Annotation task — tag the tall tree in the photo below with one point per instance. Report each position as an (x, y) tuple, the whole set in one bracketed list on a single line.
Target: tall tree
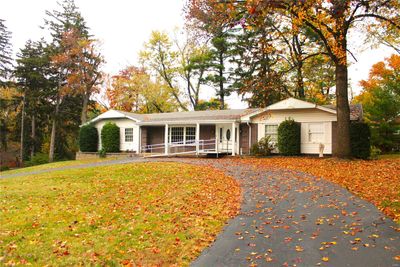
[(193, 63), (5, 52), (66, 26), (219, 75), (380, 98), (330, 20), (33, 76), (158, 56), (133, 90)]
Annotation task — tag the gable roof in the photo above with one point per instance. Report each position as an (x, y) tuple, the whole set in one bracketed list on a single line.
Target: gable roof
[(293, 103)]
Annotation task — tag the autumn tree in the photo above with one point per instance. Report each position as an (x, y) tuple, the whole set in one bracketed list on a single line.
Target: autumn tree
[(380, 98), (330, 20), (75, 62), (159, 57), (193, 61), (133, 90)]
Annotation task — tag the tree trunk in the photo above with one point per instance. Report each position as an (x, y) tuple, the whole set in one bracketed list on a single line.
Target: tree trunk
[(300, 82), (21, 154), (84, 108), (33, 135), (343, 111), (53, 131)]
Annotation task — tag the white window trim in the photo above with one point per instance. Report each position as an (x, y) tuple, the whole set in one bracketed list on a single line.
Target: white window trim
[(184, 134), (269, 133), (125, 135)]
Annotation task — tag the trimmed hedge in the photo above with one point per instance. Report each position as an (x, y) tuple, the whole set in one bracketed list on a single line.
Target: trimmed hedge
[(110, 137), (88, 138), (289, 138), (360, 140)]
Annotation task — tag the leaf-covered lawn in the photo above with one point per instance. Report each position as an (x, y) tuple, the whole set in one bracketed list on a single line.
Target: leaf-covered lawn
[(378, 181), (144, 214), (54, 165)]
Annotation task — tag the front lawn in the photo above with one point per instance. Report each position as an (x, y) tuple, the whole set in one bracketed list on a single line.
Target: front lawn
[(131, 214), (54, 165), (377, 181)]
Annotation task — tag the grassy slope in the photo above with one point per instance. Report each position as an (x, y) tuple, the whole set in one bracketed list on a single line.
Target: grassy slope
[(154, 213), (54, 165)]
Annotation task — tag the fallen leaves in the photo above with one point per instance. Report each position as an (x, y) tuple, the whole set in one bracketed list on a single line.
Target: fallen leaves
[(377, 181), (133, 214), (325, 259)]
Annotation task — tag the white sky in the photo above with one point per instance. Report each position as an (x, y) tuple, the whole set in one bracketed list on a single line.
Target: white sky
[(123, 26)]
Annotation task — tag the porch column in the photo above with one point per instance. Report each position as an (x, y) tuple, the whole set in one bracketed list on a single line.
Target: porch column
[(197, 138), (166, 140), (233, 135), (140, 140)]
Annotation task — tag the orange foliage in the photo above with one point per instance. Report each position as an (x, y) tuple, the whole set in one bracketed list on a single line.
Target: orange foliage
[(377, 181)]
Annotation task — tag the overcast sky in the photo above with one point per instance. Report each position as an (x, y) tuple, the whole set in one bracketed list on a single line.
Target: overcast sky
[(123, 26)]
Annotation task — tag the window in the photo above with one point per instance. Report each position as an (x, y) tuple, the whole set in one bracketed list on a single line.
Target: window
[(272, 131), (316, 132), (128, 134), (182, 135), (176, 135), (190, 136)]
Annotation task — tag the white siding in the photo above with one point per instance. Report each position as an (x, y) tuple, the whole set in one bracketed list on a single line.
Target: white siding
[(122, 124), (305, 117)]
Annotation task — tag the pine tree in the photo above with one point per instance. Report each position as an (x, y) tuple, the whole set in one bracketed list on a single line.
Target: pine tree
[(5, 52)]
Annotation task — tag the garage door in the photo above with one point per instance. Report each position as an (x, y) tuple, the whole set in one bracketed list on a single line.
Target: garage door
[(313, 134)]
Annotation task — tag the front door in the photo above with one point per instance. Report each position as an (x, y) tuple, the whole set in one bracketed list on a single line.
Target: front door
[(225, 136)]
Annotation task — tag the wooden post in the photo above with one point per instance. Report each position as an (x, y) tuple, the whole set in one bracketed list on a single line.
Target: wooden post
[(197, 138)]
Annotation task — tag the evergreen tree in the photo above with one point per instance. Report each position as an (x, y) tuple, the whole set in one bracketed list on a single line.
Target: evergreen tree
[(5, 52)]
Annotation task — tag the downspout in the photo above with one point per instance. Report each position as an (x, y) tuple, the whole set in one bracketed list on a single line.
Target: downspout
[(248, 124)]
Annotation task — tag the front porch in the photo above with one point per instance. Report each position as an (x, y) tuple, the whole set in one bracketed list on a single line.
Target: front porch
[(190, 138)]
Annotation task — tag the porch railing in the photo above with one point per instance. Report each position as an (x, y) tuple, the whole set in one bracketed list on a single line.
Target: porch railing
[(191, 147)]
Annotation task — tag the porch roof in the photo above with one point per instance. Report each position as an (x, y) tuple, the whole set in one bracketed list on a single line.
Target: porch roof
[(192, 116)]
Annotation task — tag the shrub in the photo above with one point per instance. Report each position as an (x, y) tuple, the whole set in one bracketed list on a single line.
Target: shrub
[(110, 137), (4, 168), (263, 147), (375, 152), (360, 140), (289, 138), (37, 159), (102, 153), (88, 138)]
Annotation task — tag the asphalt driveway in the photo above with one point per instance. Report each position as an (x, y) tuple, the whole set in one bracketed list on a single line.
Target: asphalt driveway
[(290, 218)]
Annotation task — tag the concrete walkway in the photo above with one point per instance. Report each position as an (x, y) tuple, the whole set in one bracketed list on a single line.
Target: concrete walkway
[(290, 218)]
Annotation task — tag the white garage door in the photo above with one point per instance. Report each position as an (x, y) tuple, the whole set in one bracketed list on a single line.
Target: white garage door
[(315, 133)]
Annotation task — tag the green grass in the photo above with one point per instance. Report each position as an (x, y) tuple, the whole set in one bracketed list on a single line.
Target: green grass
[(54, 165), (139, 214), (390, 156)]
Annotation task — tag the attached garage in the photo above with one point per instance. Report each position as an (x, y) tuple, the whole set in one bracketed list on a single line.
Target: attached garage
[(317, 123)]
